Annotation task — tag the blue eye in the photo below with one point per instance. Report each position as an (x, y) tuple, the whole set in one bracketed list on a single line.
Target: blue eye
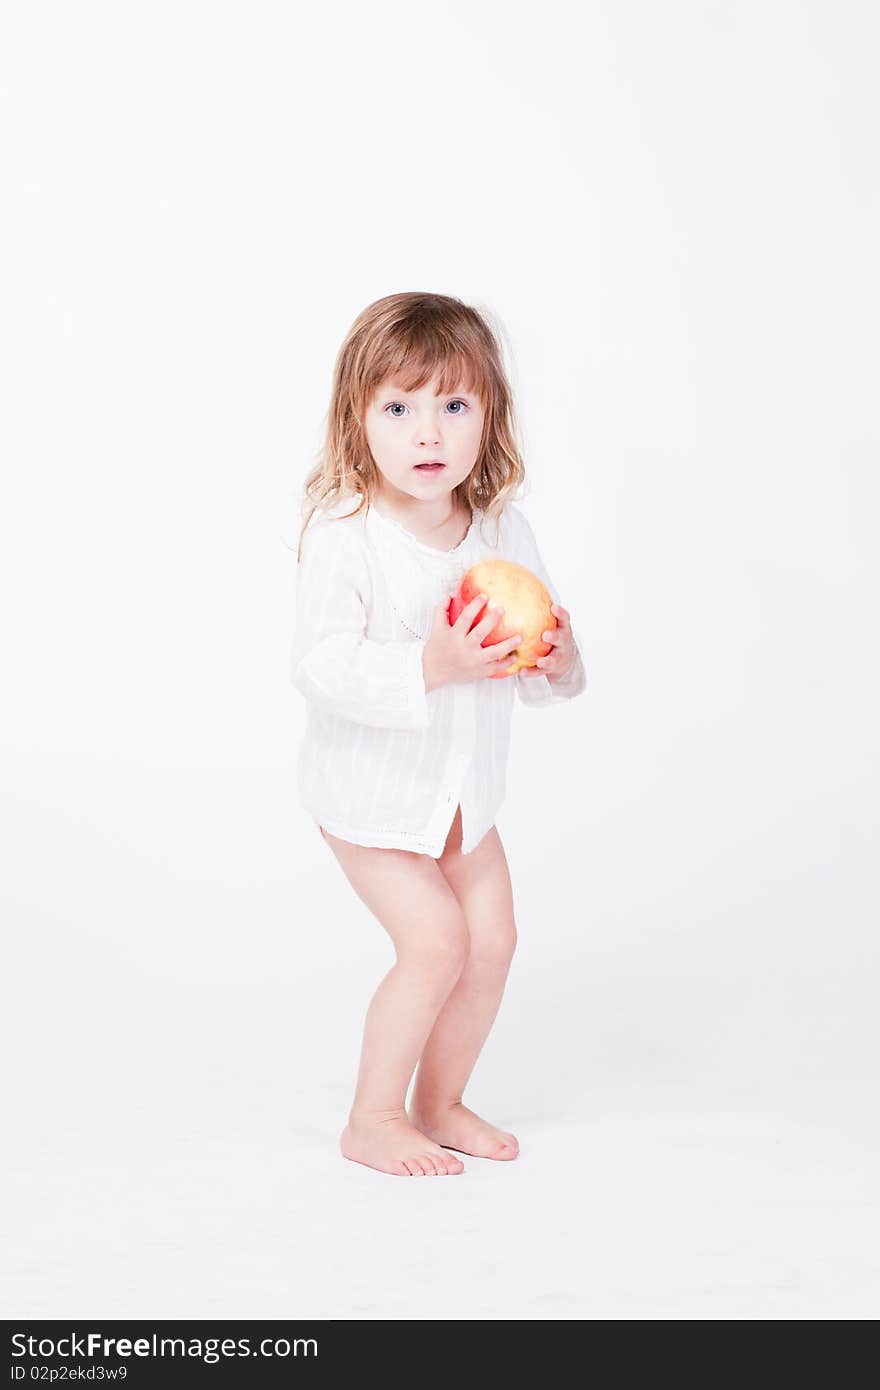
[(394, 404)]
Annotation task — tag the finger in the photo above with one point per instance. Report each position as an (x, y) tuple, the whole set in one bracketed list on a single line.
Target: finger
[(500, 668), (550, 636), (489, 620), (560, 614), (469, 612), (498, 651)]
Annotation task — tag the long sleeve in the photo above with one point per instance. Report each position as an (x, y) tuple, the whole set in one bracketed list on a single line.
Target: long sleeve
[(538, 690), (333, 663)]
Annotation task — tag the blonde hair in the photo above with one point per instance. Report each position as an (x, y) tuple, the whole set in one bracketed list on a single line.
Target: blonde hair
[(414, 337)]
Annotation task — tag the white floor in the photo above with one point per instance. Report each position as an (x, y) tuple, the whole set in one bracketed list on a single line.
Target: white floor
[(636, 1203)]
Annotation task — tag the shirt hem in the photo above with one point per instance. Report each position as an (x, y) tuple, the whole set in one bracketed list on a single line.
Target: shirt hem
[(395, 839)]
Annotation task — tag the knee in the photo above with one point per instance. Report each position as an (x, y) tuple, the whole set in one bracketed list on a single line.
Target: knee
[(440, 952), (494, 948)]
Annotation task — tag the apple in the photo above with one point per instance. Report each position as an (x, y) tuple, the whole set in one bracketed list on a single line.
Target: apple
[(526, 603)]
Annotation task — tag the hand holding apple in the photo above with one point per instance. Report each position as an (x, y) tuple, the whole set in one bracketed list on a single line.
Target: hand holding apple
[(456, 650), (558, 662), (527, 608)]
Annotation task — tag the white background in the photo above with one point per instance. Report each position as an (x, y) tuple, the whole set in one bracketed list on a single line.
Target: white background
[(673, 212)]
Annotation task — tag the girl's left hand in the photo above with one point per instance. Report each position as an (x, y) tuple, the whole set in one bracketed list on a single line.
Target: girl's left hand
[(558, 662)]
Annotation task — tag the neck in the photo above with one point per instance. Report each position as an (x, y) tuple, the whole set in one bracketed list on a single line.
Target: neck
[(430, 516)]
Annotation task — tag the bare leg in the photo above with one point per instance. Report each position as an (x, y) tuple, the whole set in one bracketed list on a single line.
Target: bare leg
[(481, 883), (410, 897)]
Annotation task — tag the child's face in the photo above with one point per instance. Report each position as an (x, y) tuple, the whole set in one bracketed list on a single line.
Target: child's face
[(405, 428)]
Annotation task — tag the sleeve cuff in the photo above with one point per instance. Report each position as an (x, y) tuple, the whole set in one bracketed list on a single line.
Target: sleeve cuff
[(539, 690)]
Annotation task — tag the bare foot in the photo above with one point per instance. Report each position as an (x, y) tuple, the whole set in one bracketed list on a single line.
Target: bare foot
[(393, 1145), (459, 1128)]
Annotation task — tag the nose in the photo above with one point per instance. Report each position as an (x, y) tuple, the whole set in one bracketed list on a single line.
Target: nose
[(427, 431)]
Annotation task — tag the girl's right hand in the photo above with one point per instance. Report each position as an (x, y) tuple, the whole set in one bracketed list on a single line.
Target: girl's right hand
[(452, 653)]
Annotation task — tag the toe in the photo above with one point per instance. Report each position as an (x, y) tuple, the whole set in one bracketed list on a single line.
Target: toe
[(504, 1149)]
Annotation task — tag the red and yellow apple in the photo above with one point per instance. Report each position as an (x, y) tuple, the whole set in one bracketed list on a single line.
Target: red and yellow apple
[(526, 605)]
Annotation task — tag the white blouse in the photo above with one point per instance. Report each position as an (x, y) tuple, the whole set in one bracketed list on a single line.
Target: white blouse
[(383, 761)]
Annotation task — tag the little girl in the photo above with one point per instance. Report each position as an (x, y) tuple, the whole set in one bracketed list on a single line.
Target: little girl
[(403, 761)]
